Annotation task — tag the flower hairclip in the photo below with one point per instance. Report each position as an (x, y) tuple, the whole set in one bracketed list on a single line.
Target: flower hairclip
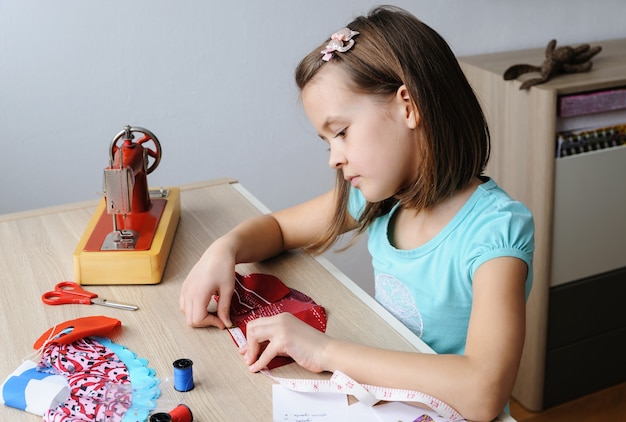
[(337, 43)]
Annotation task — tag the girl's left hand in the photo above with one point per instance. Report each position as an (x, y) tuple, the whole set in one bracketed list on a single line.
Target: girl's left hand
[(285, 335)]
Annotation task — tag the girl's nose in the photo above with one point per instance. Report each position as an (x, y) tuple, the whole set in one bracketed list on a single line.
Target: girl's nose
[(337, 159)]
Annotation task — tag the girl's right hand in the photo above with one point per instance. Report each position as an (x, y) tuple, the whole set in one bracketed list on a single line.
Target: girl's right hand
[(213, 274), (252, 240)]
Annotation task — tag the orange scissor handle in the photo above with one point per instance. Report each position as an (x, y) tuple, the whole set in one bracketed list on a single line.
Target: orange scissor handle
[(67, 292)]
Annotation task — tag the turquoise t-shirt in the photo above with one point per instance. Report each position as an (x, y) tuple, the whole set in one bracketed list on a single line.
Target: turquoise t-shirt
[(429, 288)]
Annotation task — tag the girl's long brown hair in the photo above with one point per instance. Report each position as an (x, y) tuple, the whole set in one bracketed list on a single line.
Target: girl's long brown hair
[(394, 48)]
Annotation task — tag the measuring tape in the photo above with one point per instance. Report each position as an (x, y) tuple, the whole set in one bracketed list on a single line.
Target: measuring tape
[(366, 394)]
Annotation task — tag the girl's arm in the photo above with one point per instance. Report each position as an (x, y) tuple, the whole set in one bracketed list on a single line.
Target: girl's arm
[(477, 384), (253, 240)]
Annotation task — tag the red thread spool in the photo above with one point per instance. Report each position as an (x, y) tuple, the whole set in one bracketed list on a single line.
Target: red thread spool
[(180, 413)]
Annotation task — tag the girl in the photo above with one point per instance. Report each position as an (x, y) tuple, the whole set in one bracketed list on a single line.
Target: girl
[(452, 253)]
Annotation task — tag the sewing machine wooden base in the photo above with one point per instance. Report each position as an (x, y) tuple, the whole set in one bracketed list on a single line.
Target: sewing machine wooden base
[(127, 266)]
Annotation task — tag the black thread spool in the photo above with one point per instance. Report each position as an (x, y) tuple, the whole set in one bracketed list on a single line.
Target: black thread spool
[(183, 375), (161, 417)]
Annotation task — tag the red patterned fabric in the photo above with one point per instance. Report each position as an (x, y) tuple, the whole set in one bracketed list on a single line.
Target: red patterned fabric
[(99, 382), (261, 295)]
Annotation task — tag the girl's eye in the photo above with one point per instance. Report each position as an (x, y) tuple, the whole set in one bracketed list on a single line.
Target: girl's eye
[(341, 134)]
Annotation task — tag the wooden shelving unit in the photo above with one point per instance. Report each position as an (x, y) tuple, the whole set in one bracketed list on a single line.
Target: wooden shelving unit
[(523, 127)]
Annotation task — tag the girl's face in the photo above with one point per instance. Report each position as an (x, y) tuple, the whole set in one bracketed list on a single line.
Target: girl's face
[(374, 143)]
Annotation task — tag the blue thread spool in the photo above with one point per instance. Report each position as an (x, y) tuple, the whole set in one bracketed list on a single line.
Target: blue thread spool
[(183, 375)]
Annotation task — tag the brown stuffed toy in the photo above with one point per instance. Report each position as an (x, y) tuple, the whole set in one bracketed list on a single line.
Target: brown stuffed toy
[(558, 60)]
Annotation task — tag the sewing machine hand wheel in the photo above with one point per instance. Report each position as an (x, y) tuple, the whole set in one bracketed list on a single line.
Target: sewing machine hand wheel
[(127, 134)]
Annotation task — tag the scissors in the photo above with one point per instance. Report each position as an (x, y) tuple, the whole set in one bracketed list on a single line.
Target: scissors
[(70, 292)]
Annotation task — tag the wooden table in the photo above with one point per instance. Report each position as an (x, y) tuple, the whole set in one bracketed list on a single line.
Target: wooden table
[(36, 252)]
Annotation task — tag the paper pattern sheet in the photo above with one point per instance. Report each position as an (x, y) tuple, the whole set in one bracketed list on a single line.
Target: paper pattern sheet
[(293, 406)]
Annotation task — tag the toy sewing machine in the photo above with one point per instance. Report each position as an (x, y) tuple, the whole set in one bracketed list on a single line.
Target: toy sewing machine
[(130, 235)]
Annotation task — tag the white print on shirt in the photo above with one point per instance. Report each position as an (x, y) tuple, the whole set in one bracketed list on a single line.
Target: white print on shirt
[(397, 299)]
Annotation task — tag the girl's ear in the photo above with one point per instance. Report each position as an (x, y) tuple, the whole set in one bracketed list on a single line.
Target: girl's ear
[(409, 110)]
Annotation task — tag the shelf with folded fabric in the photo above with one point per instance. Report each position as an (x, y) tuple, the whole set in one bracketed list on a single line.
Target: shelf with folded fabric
[(578, 203)]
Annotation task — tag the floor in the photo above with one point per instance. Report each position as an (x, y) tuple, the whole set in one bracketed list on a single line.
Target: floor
[(603, 406)]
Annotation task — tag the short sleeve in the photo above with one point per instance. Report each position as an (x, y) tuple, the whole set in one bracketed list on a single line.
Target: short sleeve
[(509, 232)]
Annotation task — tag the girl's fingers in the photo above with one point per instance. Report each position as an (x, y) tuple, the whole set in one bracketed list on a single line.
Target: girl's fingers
[(223, 305)]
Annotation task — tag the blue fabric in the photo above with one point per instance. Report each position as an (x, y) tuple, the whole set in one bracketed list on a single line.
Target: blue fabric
[(429, 288), (14, 391), (143, 381)]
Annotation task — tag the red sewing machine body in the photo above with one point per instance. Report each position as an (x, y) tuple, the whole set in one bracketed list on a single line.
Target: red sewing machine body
[(134, 216), (133, 155)]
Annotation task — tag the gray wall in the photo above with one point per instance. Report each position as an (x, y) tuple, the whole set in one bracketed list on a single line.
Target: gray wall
[(214, 81)]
